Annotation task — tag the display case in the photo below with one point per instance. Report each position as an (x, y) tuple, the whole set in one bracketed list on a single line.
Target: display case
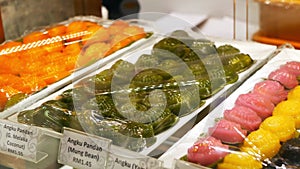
[(141, 93)]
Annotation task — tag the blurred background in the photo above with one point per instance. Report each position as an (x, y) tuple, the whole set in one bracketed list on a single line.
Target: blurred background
[(19, 16)]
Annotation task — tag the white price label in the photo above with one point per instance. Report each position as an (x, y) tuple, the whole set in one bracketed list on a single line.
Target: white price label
[(81, 150), (19, 140)]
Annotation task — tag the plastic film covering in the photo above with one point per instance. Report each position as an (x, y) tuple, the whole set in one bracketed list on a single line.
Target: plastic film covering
[(133, 102)]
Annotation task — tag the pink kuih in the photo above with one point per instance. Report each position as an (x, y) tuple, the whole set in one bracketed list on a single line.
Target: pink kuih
[(284, 77), (292, 67), (262, 106), (206, 151), (246, 117), (228, 132), (272, 90)]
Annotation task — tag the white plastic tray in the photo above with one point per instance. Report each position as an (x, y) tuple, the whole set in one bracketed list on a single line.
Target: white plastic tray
[(258, 52), (31, 99), (180, 148)]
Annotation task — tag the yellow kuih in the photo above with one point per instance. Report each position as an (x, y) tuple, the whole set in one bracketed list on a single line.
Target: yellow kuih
[(289, 107), (262, 144), (240, 161), (282, 126)]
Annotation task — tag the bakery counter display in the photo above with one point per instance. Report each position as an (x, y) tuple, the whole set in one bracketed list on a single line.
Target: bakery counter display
[(142, 98), (46, 59), (255, 127)]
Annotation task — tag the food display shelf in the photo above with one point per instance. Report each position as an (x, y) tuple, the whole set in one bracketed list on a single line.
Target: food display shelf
[(173, 155), (261, 53), (80, 71)]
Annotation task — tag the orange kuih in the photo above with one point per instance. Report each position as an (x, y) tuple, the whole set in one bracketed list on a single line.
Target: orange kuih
[(35, 36), (3, 100), (9, 80), (117, 27), (11, 65), (31, 83), (70, 62), (73, 48), (33, 68), (71, 53), (10, 50), (135, 32), (101, 35), (57, 30), (5, 93), (76, 26), (54, 57), (75, 30), (34, 54), (9, 45), (119, 41), (54, 73), (90, 33), (5, 66), (92, 53), (54, 47)]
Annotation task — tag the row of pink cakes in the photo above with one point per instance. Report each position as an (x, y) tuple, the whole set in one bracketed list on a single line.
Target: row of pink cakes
[(250, 123)]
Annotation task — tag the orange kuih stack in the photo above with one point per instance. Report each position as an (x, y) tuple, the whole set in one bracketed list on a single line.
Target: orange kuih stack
[(44, 57)]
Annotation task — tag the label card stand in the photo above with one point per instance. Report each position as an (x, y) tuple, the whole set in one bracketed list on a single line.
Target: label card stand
[(82, 150), (121, 158), (21, 141)]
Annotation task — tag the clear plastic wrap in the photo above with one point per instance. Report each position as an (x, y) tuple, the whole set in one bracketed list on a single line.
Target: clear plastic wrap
[(255, 127), (137, 100)]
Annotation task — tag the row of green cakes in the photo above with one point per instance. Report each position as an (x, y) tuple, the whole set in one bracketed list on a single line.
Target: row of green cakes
[(131, 103)]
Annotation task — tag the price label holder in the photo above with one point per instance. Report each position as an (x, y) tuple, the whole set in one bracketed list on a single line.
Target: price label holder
[(120, 158), (82, 150), (180, 164), (20, 140)]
